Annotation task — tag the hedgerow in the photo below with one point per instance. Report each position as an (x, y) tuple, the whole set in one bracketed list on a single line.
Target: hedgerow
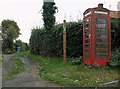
[(50, 42)]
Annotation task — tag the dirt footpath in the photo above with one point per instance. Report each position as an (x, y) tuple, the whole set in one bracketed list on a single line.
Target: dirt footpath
[(28, 78)]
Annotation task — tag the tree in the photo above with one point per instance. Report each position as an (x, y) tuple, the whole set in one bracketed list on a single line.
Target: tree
[(7, 24), (49, 9), (10, 31)]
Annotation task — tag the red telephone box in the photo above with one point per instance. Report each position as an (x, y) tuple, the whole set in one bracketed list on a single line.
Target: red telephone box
[(96, 36)]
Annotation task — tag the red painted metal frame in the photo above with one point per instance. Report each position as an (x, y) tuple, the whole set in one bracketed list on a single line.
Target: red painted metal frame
[(92, 60)]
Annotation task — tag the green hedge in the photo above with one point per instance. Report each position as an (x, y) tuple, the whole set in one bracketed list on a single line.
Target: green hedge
[(115, 30), (50, 43)]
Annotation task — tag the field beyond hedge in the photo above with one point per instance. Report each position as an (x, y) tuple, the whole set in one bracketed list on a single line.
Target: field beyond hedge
[(81, 75)]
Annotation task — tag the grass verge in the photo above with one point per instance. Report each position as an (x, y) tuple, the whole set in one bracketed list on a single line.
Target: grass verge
[(54, 70), (15, 69)]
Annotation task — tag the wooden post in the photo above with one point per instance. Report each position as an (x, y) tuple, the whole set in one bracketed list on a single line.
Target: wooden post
[(64, 41)]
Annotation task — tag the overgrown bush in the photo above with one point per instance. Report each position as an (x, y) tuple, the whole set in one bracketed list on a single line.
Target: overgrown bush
[(115, 60), (50, 42)]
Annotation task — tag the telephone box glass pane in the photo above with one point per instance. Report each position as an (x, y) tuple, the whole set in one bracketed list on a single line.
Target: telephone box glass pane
[(87, 56), (99, 25), (101, 45), (101, 40), (87, 24), (101, 36), (86, 50), (101, 50), (101, 20), (101, 56)]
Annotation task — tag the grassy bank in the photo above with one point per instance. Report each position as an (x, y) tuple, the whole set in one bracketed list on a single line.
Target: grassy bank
[(15, 69), (81, 75)]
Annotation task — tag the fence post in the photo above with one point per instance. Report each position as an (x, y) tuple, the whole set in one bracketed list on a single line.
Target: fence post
[(64, 41)]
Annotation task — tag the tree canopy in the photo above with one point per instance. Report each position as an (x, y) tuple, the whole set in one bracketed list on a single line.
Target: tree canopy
[(7, 25), (49, 9), (10, 32)]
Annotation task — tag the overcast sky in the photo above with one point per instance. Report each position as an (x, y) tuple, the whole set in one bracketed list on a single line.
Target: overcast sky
[(26, 12)]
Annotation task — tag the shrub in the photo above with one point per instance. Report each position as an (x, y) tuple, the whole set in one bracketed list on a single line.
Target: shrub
[(50, 42), (115, 61)]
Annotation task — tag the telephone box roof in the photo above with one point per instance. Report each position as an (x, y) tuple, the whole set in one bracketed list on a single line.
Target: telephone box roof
[(99, 8)]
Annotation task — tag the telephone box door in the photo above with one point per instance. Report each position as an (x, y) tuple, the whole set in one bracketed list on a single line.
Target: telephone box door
[(102, 38)]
